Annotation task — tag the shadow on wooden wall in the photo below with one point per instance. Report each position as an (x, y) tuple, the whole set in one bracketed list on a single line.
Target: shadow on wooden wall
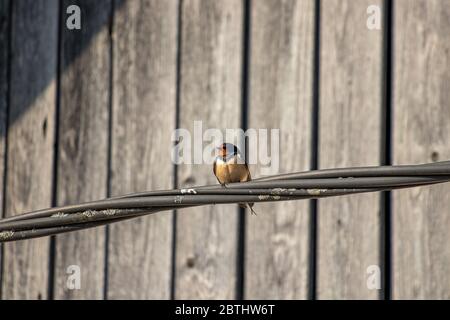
[(85, 114)]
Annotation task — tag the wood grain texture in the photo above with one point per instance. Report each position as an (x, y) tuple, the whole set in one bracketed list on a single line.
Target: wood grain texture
[(4, 85), (30, 140), (349, 135), (281, 77), (83, 143), (210, 91), (421, 220), (4, 62), (144, 95)]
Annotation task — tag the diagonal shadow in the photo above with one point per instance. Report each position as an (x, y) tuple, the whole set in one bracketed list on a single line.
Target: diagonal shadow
[(34, 39), (36, 48)]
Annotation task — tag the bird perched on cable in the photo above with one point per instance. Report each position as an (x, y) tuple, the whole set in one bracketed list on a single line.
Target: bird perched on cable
[(230, 166)]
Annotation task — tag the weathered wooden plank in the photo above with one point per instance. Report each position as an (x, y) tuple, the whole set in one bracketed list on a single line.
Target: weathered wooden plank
[(421, 220), (349, 135), (83, 143), (281, 79), (30, 140), (144, 95), (211, 57), (4, 62)]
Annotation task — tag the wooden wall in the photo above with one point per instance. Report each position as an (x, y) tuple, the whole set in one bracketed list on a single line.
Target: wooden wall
[(86, 114)]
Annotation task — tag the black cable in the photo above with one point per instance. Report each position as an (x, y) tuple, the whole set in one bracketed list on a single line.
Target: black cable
[(294, 186)]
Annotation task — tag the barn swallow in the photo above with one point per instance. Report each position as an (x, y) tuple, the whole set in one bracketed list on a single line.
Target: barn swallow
[(229, 166)]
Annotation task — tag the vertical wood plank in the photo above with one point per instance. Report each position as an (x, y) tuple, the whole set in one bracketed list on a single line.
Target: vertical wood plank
[(4, 62), (349, 135), (5, 21), (281, 79), (211, 55), (421, 113), (30, 140), (83, 142), (144, 95)]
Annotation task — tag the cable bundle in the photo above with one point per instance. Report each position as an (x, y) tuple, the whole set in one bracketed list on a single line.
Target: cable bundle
[(293, 186)]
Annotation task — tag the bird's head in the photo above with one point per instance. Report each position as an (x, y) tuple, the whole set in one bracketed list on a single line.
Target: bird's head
[(226, 149)]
